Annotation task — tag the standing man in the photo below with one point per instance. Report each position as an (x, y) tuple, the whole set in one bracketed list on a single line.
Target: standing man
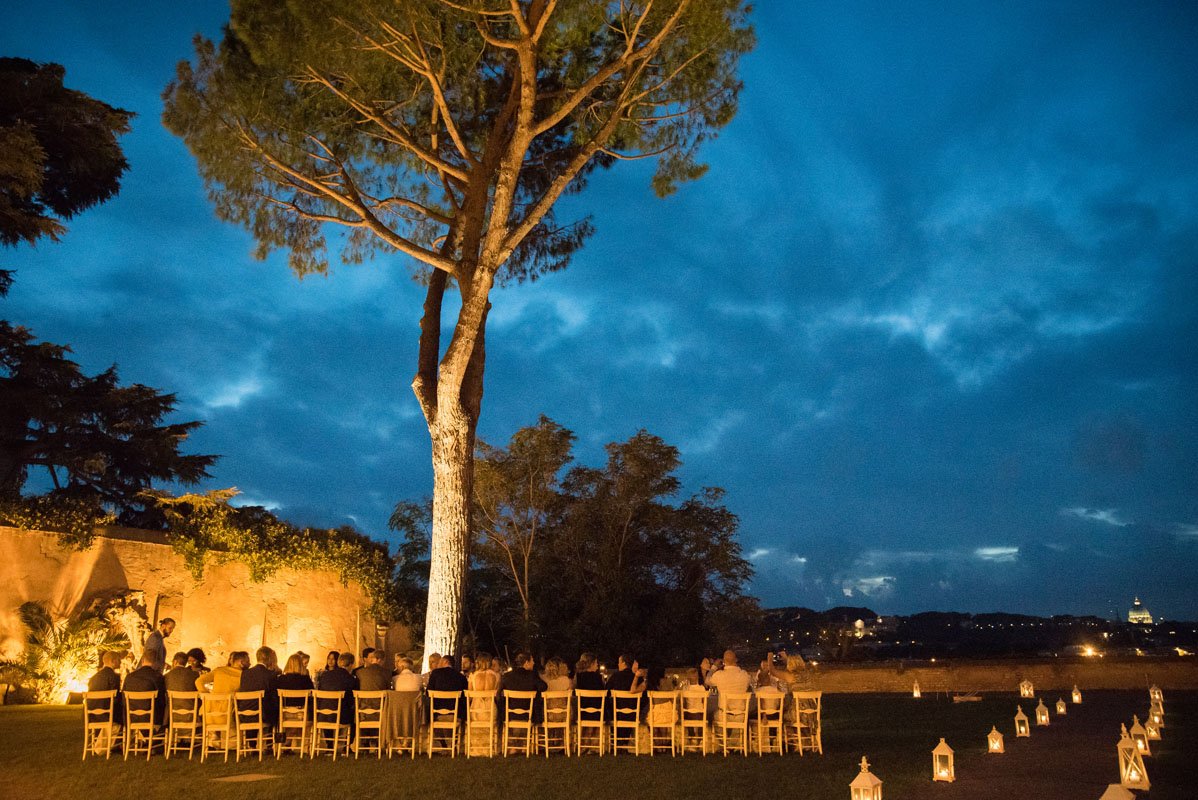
[(155, 643)]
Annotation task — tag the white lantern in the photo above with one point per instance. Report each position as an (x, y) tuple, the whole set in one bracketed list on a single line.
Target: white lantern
[(1026, 689), (1140, 736), (1077, 696), (1060, 706), (942, 763), (1021, 726), (866, 785), (915, 690), (1152, 730), (1156, 713), (1132, 774), (1155, 694), (994, 741), (1042, 714)]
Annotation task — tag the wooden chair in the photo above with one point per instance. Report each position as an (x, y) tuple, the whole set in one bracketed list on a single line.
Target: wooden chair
[(140, 708), (99, 722), (807, 724), (692, 713), (480, 723), (442, 719), (326, 724), (663, 719), (294, 706), (250, 720), (555, 720), (732, 716), (590, 706), (368, 720), (183, 722), (625, 721), (218, 723), (769, 720), (404, 711), (517, 718)]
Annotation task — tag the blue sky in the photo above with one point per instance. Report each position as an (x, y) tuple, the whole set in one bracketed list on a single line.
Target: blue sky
[(929, 319)]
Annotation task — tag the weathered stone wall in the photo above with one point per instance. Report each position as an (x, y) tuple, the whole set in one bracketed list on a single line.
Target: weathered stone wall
[(309, 611), (1058, 675)]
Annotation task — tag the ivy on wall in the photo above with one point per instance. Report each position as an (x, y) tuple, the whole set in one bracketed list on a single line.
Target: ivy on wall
[(204, 526)]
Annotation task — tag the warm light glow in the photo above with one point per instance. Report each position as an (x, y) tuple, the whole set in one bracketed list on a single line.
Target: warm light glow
[(1088, 651)]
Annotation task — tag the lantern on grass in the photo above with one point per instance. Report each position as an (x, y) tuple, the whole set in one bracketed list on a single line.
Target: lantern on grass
[(1060, 706), (994, 741), (1026, 689), (866, 785), (1155, 694), (1140, 736), (1132, 774), (1156, 713), (1077, 695), (1152, 730), (1117, 792), (1042, 714), (915, 690), (942, 763), (1021, 726)]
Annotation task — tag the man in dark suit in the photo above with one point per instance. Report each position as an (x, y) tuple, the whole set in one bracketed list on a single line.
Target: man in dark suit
[(181, 678), (264, 677), (148, 678), (522, 678), (338, 679), (106, 680), (373, 676)]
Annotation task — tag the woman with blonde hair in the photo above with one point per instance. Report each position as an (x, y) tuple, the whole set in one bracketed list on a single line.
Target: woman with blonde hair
[(557, 675), (482, 679), (294, 676)]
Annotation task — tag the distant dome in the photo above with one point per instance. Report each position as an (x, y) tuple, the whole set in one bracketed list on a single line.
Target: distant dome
[(1139, 615)]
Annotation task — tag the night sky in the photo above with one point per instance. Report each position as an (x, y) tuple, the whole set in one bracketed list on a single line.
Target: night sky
[(929, 319)]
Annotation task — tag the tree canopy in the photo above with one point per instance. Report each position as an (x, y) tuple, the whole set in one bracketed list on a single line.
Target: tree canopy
[(59, 152), (446, 130), (95, 438)]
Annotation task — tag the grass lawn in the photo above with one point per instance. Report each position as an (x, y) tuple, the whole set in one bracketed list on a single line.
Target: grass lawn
[(1074, 757)]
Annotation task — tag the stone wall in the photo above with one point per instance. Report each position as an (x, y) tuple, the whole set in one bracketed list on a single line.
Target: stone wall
[(309, 611), (1004, 676)]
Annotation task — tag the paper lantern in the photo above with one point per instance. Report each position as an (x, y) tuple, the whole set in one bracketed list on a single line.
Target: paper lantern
[(1026, 689), (1139, 735), (1021, 726), (942, 763), (1042, 714), (1060, 706), (1077, 695), (994, 741), (1132, 774), (866, 785), (915, 690), (1155, 694)]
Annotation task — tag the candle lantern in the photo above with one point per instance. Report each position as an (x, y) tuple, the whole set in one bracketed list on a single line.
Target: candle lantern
[(1152, 731), (1060, 706), (942, 763), (1139, 735), (1026, 689), (994, 741), (866, 785), (1132, 774), (1021, 726), (1077, 695), (1155, 694), (1042, 714), (915, 690), (1156, 713)]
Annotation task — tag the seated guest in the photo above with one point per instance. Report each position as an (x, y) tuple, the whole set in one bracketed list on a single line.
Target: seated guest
[(482, 679), (294, 677), (263, 677), (522, 678), (467, 666), (395, 668), (373, 676), (628, 678), (731, 678), (226, 679), (365, 655), (181, 678), (330, 662), (586, 673), (557, 677), (406, 680), (147, 678), (434, 662), (304, 660), (196, 661), (446, 678), (106, 679), (339, 679)]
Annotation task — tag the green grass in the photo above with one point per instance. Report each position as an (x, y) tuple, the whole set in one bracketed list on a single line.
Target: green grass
[(40, 747)]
